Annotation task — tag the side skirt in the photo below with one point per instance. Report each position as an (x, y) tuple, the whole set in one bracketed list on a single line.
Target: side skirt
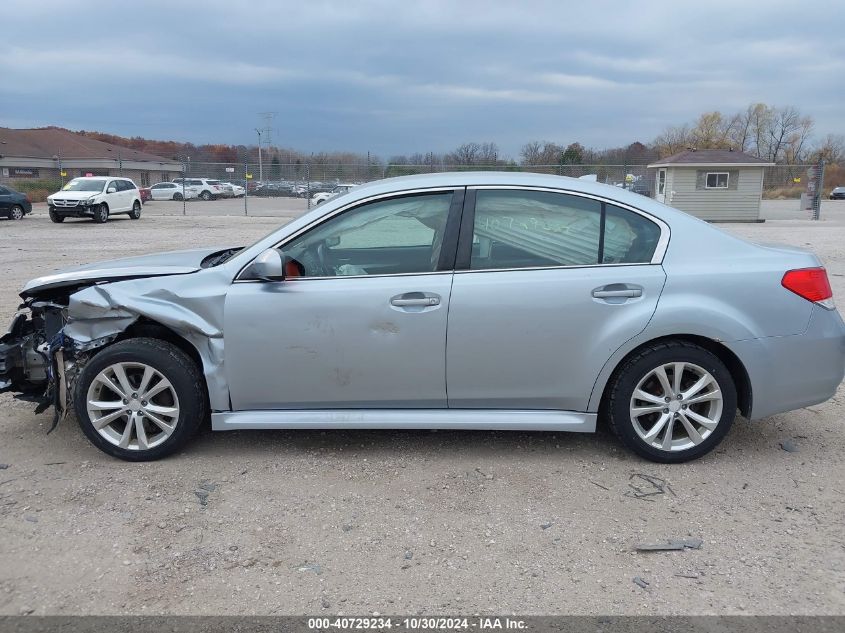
[(459, 419)]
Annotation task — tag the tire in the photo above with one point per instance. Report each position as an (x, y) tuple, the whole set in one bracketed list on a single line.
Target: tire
[(101, 213), (715, 402), (184, 394), (135, 213), (16, 212), (55, 217), (177, 197), (206, 195)]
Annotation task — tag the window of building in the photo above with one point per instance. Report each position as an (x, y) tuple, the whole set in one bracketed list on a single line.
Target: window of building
[(717, 180)]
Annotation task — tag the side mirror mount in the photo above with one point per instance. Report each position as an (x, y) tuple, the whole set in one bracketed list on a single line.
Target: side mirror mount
[(111, 190), (268, 266)]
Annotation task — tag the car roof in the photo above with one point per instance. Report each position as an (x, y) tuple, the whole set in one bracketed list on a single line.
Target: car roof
[(515, 179)]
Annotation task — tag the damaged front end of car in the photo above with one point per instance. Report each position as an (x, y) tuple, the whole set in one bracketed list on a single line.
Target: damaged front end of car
[(38, 362), (68, 317)]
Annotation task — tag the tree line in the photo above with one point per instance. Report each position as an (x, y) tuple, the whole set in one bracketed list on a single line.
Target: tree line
[(781, 135), (777, 134)]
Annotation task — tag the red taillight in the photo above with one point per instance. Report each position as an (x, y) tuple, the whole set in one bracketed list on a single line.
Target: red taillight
[(809, 283)]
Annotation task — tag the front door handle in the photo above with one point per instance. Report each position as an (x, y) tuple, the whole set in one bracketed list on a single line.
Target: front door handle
[(598, 293), (417, 301)]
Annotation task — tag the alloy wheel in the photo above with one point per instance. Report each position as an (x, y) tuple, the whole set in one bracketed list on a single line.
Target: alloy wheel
[(133, 406), (676, 406)]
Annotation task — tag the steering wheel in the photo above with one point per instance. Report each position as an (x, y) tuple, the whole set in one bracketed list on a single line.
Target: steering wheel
[(316, 260), (324, 257)]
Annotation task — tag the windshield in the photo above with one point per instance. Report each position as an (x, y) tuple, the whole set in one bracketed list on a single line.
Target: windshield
[(85, 185)]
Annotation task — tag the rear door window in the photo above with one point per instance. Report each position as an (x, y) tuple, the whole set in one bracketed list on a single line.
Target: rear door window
[(539, 229)]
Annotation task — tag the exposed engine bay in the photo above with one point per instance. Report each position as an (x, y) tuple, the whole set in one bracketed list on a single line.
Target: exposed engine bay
[(37, 361)]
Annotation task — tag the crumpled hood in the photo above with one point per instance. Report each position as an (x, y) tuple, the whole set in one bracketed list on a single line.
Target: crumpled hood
[(157, 264)]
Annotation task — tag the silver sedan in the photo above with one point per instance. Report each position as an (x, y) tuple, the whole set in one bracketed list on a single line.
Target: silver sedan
[(452, 301)]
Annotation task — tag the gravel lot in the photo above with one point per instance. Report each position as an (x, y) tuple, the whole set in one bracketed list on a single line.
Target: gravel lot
[(406, 522)]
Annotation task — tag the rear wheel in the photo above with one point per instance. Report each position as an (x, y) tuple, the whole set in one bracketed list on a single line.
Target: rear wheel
[(672, 402), (140, 399), (101, 213), (55, 217), (177, 196), (16, 212), (135, 213)]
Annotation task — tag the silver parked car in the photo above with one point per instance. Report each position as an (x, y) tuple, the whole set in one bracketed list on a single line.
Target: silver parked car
[(452, 301)]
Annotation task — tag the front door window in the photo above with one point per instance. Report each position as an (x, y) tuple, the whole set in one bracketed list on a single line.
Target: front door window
[(396, 236)]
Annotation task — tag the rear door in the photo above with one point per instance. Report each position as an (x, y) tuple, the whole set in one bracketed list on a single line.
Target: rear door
[(547, 286), (130, 192)]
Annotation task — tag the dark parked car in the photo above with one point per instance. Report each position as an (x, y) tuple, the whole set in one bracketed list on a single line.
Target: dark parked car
[(641, 187), (838, 193), (146, 194), (14, 204), (271, 190)]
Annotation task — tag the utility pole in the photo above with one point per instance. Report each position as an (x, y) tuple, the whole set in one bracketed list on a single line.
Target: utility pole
[(260, 165), (267, 117)]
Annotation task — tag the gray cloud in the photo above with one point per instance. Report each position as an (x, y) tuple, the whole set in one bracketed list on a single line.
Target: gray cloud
[(385, 77)]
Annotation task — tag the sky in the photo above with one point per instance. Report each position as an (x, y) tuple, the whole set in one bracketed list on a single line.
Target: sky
[(402, 77)]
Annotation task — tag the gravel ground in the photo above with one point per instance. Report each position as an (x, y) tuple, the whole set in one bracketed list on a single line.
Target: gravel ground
[(406, 522)]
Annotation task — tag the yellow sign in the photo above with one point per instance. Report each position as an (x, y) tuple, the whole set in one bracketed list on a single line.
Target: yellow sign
[(796, 179), (249, 176), (63, 173)]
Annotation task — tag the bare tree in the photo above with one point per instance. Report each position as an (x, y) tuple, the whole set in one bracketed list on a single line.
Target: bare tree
[(541, 153), (831, 149), (674, 139), (465, 154), (474, 154)]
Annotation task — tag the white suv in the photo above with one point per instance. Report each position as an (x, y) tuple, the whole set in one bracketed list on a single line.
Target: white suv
[(209, 189), (95, 197)]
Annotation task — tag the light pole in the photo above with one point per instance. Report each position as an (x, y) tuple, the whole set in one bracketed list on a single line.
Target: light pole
[(260, 165), (185, 162), (58, 158)]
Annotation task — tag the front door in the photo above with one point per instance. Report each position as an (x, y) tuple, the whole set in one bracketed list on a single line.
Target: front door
[(115, 197), (360, 321), (5, 199), (547, 287), (660, 189)]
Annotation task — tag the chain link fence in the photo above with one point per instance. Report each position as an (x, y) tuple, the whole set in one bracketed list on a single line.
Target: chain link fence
[(312, 182)]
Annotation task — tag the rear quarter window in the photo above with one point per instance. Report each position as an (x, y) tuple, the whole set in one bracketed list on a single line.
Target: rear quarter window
[(629, 238)]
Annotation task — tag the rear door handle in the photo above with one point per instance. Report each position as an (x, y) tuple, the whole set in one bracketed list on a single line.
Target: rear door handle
[(421, 301), (598, 293)]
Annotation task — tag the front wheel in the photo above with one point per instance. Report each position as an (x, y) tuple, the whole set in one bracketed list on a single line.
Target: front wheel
[(16, 212), (135, 213), (206, 195), (55, 217), (672, 402), (101, 213), (140, 399)]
